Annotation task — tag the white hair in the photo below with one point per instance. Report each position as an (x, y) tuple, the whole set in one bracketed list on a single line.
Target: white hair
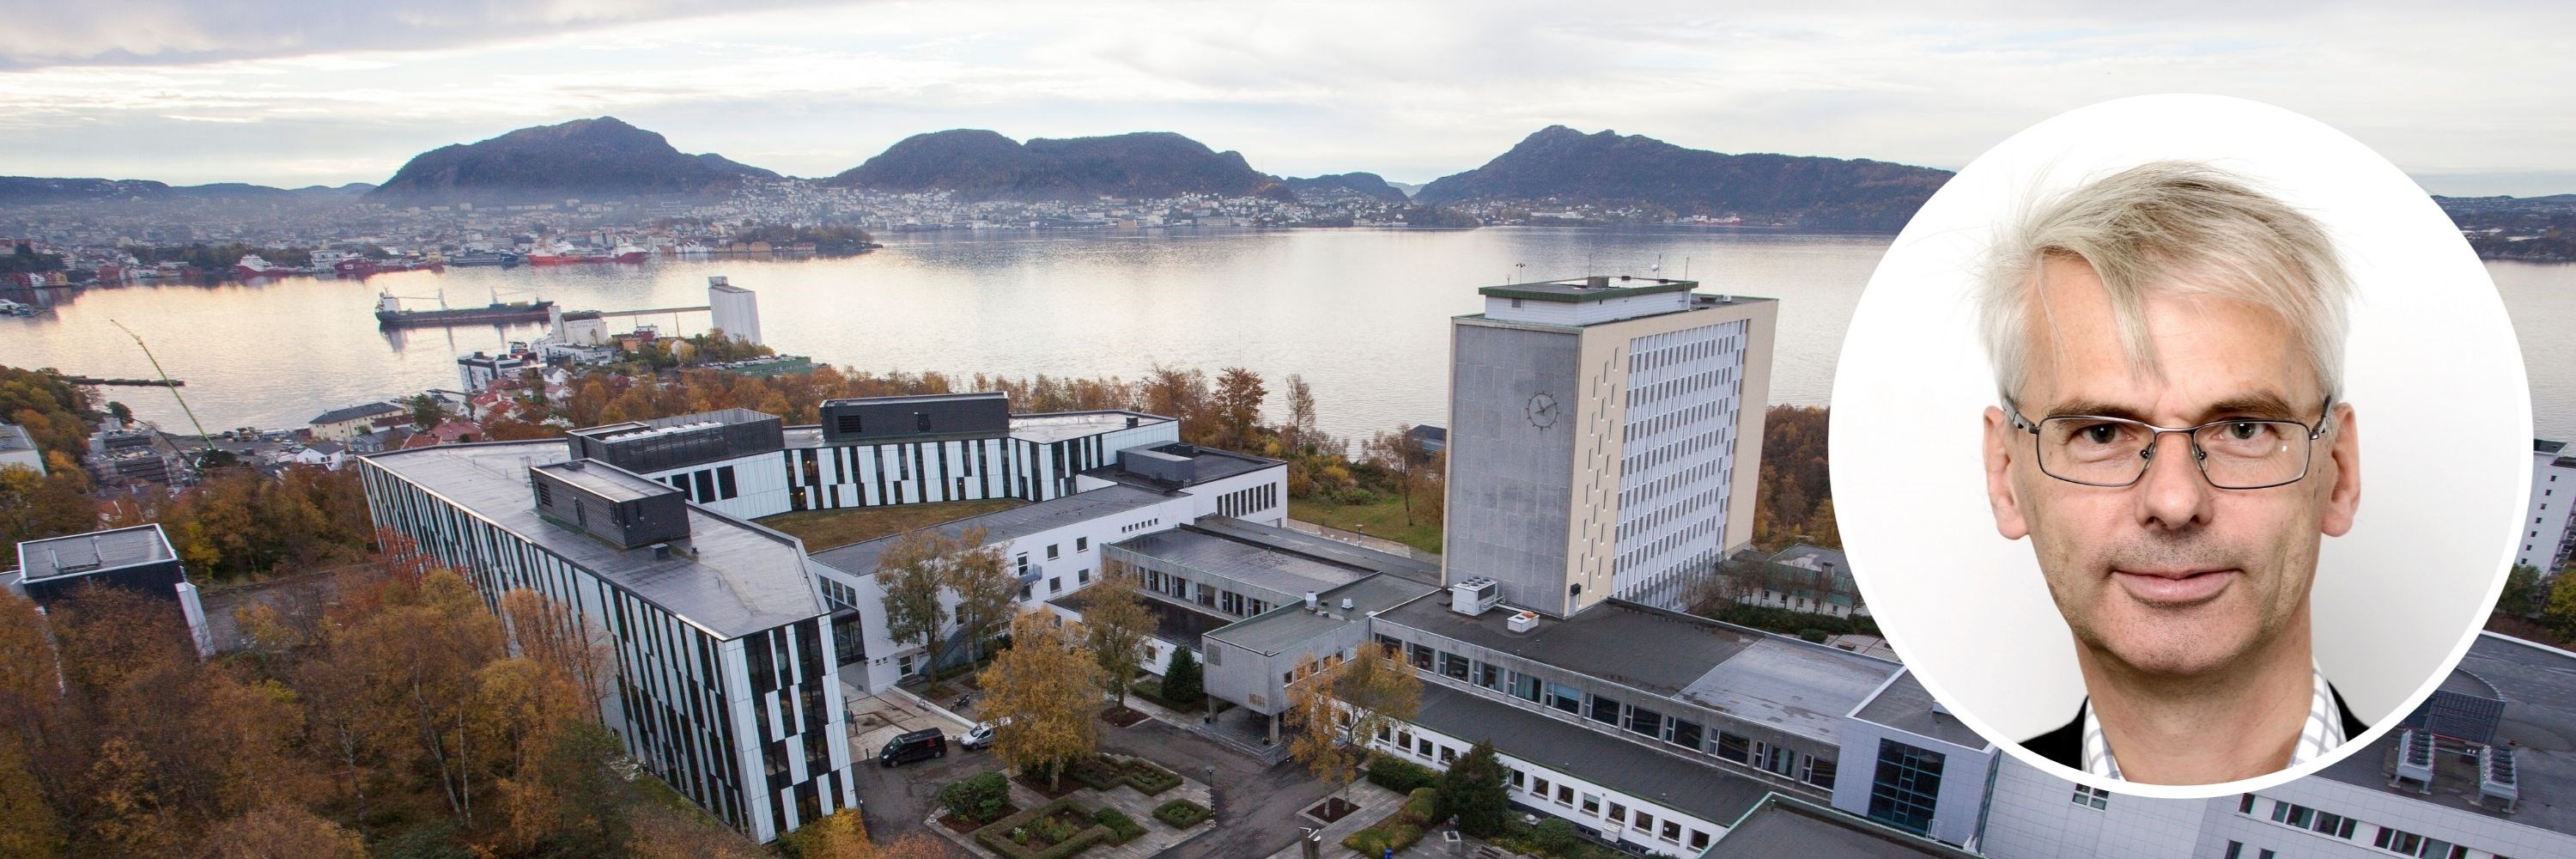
[(2176, 228)]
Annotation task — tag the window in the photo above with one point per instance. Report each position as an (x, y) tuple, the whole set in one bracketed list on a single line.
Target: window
[(1051, 553), (1391, 645), (1024, 592), (1733, 748), (920, 421), (2094, 797), (1453, 665), (1382, 733), (2236, 849), (1645, 822), (1489, 676), (1082, 576), (1605, 710), (1566, 698), (1447, 755), (1820, 772), (2245, 805), (1055, 585), (1538, 786), (1422, 747), (1672, 831), (1591, 804), (1686, 735), (1404, 740), (1420, 655), (1564, 795), (1524, 686), (1618, 813), (1906, 788), (1644, 721), (1081, 544), (2294, 815), (1699, 840), (1519, 778)]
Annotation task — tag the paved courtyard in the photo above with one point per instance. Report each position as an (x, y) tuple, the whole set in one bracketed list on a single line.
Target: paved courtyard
[(1159, 837)]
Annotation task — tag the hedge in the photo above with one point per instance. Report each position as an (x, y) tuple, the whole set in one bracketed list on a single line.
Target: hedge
[(1122, 829), (1096, 772), (1150, 779), (1399, 775), (978, 798), (1420, 807), (1386, 835), (1181, 813), (997, 835)]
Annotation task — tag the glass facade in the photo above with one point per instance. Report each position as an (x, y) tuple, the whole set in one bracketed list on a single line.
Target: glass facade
[(1906, 788)]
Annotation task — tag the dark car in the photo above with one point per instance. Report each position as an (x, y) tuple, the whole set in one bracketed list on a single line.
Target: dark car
[(918, 745)]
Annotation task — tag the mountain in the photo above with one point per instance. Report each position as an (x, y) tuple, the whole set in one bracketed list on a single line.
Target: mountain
[(1611, 169), (1368, 185), (36, 191), (601, 157), (1409, 188), (976, 164)]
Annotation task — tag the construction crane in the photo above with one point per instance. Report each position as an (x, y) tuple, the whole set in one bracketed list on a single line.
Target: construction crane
[(202, 437)]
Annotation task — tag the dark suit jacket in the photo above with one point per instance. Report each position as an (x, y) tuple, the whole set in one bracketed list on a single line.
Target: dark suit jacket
[(2066, 745)]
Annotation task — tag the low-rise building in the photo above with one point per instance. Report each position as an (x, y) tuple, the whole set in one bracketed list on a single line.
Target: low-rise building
[(137, 559), (344, 423), (18, 448)]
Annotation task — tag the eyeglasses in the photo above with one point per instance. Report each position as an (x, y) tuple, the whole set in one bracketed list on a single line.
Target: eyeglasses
[(2234, 453)]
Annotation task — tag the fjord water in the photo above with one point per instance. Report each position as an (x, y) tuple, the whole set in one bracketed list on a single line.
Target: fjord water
[(1363, 314)]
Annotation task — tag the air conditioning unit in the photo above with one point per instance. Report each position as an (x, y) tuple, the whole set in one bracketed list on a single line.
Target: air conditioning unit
[(1475, 596), (1524, 621)]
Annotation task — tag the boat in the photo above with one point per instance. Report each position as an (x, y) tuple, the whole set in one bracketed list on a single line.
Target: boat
[(389, 313), (628, 253), (499, 258), (251, 265), (12, 308)]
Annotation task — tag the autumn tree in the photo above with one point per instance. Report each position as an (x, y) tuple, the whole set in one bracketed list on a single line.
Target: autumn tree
[(1239, 393), (1300, 428), (987, 589), (282, 831), (1042, 694), (36, 506), (1118, 626), (425, 648), (910, 571), (29, 827), (1401, 453), (1337, 704)]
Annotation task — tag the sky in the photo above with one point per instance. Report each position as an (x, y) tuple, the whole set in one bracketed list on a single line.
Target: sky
[(303, 92)]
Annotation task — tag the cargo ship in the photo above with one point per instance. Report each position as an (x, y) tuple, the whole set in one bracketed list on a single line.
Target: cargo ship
[(389, 313)]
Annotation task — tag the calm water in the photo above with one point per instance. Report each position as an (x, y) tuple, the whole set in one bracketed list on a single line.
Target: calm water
[(1363, 314)]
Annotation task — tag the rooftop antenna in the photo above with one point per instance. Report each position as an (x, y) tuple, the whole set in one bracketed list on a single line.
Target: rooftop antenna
[(202, 438), (1685, 268)]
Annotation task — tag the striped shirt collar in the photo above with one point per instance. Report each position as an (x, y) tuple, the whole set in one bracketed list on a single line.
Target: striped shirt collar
[(2323, 732)]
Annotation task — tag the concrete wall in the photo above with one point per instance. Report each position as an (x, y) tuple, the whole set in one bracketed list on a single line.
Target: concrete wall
[(1510, 479)]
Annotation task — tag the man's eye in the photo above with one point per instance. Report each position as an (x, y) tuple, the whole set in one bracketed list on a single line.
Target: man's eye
[(2100, 433), (2244, 430)]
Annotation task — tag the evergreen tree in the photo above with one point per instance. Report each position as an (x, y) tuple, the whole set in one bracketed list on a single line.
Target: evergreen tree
[(1472, 791), (1181, 682)]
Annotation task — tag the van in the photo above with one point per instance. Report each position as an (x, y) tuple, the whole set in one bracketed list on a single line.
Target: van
[(918, 745)]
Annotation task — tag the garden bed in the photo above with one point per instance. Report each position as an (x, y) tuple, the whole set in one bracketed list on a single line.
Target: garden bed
[(1124, 717), (1182, 814), (1332, 809), (1066, 785), (1052, 831)]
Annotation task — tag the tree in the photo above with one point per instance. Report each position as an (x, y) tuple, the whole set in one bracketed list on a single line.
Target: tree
[(988, 590), (1473, 791), (1338, 704), (123, 414), (2561, 614), (1181, 682), (1119, 626), (427, 410), (909, 572), (2520, 585), (282, 831), (1239, 393), (1042, 695), (28, 825), (1300, 428), (1400, 453), (36, 506)]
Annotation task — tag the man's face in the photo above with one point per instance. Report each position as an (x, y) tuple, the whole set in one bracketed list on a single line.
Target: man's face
[(2169, 575)]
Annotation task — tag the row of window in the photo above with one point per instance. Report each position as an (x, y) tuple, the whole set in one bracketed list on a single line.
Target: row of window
[(1184, 590), (1252, 499), (1139, 526), (1618, 716), (705, 484), (2332, 825), (1592, 805)]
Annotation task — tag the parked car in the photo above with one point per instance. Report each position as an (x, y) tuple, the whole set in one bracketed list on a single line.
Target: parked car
[(918, 745), (978, 737)]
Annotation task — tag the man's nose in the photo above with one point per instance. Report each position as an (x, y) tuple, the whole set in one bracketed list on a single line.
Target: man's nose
[(2173, 494)]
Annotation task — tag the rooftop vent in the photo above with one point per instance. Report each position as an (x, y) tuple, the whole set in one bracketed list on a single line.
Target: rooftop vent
[(2496, 779), (1311, 603), (1475, 596), (1346, 603), (1523, 622), (2414, 759)]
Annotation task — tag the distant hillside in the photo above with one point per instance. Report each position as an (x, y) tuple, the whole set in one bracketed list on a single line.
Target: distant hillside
[(601, 157), (1610, 169), (975, 164), (35, 191), (1368, 185)]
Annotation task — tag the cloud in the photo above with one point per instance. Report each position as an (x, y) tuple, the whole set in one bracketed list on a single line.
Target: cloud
[(182, 32), (1409, 90)]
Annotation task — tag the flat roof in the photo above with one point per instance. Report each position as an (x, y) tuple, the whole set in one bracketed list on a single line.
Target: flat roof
[(2542, 445), (1788, 826), (1794, 685), (918, 398), (1043, 429), (1207, 464), (1281, 629), (74, 554), (606, 481), (999, 526), (1174, 621), (720, 417), (1581, 289), (14, 437), (1243, 561), (2539, 714), (739, 579), (1906, 706), (1289, 539), (1702, 790)]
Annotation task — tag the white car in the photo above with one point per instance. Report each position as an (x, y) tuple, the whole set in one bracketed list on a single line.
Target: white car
[(978, 737)]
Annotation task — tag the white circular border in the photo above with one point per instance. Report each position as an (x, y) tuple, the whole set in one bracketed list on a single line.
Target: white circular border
[(1952, 595)]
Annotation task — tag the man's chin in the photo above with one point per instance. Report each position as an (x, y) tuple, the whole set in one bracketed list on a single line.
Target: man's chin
[(2169, 649)]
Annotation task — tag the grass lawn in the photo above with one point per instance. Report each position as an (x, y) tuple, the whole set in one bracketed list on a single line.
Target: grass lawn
[(1382, 519), (824, 529)]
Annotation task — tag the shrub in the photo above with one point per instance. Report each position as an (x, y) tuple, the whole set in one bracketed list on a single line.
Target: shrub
[(1387, 835), (979, 798), (1181, 680), (1399, 775), (1420, 807), (1556, 837), (1151, 779), (1812, 634), (1010, 835), (1122, 829), (1181, 813), (1096, 773)]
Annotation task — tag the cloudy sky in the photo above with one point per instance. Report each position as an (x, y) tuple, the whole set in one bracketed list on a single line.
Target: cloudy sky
[(2471, 98)]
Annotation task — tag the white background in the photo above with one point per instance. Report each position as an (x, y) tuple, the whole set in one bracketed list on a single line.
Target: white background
[(2431, 370)]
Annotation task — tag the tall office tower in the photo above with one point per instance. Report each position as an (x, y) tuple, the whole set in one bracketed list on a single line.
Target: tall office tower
[(1604, 438)]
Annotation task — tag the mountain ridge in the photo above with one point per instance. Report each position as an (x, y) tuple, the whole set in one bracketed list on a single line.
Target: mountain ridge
[(602, 156), (1606, 168), (980, 164)]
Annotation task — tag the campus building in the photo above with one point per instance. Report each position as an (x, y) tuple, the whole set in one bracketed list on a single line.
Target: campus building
[(2549, 540), (139, 559), (1604, 438)]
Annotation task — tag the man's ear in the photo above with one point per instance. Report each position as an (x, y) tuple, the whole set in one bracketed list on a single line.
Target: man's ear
[(2000, 436), (2343, 449)]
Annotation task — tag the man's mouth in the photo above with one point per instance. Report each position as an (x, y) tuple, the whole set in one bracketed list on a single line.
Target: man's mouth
[(2174, 586)]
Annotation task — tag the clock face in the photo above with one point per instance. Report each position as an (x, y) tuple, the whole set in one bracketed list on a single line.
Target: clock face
[(1541, 411)]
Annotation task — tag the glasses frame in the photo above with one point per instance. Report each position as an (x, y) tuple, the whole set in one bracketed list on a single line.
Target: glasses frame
[(2147, 455)]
